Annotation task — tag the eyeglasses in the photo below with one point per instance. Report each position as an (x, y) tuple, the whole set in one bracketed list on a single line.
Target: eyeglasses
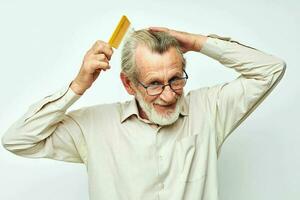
[(176, 84)]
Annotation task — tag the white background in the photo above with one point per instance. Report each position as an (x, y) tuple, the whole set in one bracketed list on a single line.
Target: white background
[(42, 44)]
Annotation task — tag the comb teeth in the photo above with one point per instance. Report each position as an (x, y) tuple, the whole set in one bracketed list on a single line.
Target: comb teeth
[(119, 32)]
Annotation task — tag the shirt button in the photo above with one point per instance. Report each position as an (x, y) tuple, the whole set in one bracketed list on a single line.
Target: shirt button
[(161, 186), (160, 157)]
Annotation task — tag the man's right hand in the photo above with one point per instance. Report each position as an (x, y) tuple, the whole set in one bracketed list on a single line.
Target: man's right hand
[(95, 60)]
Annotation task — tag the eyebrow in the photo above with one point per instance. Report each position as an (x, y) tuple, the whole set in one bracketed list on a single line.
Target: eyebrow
[(179, 74)]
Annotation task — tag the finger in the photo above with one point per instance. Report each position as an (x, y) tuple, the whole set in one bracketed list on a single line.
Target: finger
[(98, 43), (100, 65), (173, 33), (158, 29), (92, 50), (103, 47), (100, 57), (106, 50)]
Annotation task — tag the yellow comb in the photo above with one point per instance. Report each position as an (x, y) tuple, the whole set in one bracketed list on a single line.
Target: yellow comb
[(119, 32)]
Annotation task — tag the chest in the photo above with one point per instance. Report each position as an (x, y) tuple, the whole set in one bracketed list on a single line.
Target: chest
[(147, 155)]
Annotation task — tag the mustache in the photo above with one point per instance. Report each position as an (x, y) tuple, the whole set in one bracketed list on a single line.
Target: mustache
[(163, 103)]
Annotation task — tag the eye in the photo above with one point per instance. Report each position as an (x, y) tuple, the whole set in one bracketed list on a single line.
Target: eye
[(174, 78), (155, 83)]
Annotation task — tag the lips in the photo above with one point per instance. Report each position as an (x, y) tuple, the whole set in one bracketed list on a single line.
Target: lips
[(169, 106)]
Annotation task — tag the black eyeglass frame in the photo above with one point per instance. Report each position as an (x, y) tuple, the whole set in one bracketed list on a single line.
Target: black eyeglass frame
[(163, 86)]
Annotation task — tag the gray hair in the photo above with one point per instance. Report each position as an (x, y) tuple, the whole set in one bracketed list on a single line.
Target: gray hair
[(158, 42)]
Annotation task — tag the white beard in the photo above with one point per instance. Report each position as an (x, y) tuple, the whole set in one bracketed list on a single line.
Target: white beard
[(155, 117)]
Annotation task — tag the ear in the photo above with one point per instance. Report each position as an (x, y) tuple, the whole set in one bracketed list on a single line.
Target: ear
[(127, 84)]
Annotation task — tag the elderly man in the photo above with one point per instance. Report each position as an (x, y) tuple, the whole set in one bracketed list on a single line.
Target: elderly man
[(162, 144)]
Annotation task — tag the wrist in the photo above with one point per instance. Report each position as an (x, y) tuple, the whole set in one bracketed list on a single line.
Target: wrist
[(75, 87), (200, 41)]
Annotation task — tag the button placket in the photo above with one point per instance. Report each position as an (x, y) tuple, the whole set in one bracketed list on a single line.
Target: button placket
[(159, 153), (160, 157), (161, 185)]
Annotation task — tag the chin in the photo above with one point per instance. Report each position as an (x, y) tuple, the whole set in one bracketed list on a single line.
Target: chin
[(163, 118), (165, 121), (160, 115)]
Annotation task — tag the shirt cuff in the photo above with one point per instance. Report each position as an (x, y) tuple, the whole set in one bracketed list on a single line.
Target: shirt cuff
[(215, 46), (60, 100), (67, 99)]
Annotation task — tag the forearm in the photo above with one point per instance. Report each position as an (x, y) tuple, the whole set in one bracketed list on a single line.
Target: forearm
[(249, 62), (39, 122), (77, 89)]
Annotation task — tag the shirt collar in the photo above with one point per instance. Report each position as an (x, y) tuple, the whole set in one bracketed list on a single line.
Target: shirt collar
[(130, 108)]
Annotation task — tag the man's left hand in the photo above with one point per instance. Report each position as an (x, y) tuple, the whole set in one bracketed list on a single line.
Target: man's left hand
[(187, 41)]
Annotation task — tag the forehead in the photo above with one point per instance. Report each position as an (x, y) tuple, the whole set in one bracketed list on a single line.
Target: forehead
[(155, 64)]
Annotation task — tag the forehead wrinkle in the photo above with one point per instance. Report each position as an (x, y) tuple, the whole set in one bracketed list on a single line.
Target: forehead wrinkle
[(155, 65)]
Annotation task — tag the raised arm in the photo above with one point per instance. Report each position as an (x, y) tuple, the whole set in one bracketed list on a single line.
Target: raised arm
[(46, 131), (229, 104)]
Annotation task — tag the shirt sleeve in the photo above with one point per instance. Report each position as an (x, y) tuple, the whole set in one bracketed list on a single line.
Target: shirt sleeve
[(45, 131), (231, 103)]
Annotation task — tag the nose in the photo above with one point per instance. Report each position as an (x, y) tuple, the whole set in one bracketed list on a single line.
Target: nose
[(168, 95)]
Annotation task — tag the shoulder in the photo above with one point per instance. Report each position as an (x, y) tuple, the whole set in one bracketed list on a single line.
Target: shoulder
[(97, 112), (204, 93)]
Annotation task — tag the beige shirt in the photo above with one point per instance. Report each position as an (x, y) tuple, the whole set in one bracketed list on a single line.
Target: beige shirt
[(125, 157)]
